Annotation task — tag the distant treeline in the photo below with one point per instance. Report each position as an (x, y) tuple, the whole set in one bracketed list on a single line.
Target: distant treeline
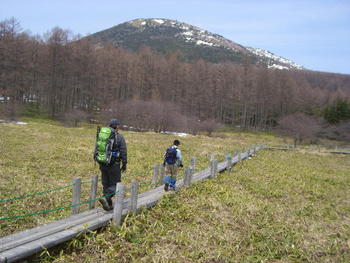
[(62, 73)]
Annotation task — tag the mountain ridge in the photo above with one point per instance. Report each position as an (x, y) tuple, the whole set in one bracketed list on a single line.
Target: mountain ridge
[(167, 36)]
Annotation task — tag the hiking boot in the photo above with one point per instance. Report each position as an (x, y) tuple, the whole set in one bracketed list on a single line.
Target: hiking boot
[(109, 201), (104, 204), (166, 187)]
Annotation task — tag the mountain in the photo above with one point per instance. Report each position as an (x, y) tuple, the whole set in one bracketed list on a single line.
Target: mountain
[(168, 36)]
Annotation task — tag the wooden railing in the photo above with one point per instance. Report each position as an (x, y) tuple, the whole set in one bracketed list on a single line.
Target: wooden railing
[(26, 243)]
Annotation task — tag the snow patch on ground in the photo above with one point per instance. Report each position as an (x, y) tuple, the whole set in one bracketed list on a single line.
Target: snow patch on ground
[(131, 128), (180, 134), (13, 122)]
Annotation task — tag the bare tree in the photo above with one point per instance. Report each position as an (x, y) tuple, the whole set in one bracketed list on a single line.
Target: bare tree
[(210, 126), (299, 126), (75, 116)]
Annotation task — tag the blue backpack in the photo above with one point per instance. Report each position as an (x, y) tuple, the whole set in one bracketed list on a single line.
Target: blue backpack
[(170, 155)]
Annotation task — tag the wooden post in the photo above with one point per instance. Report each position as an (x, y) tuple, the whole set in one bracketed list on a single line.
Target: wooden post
[(190, 176), (161, 173), (186, 177), (118, 205), (155, 174), (76, 195), (193, 163), (212, 157), (94, 181), (213, 169), (134, 196), (229, 162), (234, 153)]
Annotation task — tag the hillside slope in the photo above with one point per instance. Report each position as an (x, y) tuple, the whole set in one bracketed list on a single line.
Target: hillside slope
[(168, 36)]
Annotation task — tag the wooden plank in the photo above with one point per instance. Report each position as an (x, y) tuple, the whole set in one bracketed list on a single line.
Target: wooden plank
[(339, 152), (47, 231), (47, 227), (35, 246), (281, 149)]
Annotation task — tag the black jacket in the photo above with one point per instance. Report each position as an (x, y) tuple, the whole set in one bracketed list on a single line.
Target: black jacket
[(120, 147)]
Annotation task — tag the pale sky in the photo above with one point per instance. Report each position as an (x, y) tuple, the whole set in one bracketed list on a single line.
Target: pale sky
[(312, 33)]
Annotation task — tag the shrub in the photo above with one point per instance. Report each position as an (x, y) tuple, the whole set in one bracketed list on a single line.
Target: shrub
[(300, 126)]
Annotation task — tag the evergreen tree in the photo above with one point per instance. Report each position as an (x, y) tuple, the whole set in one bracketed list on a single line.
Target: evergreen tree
[(338, 111)]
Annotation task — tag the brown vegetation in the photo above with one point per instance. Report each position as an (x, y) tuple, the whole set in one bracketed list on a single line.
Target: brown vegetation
[(299, 126), (62, 73)]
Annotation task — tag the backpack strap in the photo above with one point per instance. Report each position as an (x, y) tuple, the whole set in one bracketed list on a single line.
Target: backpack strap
[(116, 140)]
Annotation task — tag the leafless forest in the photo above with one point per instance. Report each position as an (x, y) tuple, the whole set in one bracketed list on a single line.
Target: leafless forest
[(65, 75)]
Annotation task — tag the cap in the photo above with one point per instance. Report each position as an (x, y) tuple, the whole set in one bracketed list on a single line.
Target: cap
[(114, 123)]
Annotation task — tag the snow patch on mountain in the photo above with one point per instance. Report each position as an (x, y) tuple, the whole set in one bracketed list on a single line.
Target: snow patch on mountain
[(200, 42), (188, 33), (159, 21), (266, 54), (277, 66)]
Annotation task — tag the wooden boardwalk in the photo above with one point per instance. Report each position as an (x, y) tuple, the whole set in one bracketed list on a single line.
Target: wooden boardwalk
[(297, 149), (26, 243)]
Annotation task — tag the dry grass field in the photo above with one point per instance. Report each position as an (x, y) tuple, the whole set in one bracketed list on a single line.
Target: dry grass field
[(276, 207)]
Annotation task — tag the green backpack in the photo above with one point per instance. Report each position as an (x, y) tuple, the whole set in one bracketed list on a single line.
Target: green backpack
[(105, 138)]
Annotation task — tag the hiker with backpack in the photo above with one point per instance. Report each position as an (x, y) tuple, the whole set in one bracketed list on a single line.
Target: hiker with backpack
[(110, 153), (172, 160)]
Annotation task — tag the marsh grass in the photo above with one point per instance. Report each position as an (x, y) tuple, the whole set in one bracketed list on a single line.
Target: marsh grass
[(275, 207), (45, 155)]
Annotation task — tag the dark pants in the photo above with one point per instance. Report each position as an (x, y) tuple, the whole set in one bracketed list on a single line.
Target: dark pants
[(110, 177)]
